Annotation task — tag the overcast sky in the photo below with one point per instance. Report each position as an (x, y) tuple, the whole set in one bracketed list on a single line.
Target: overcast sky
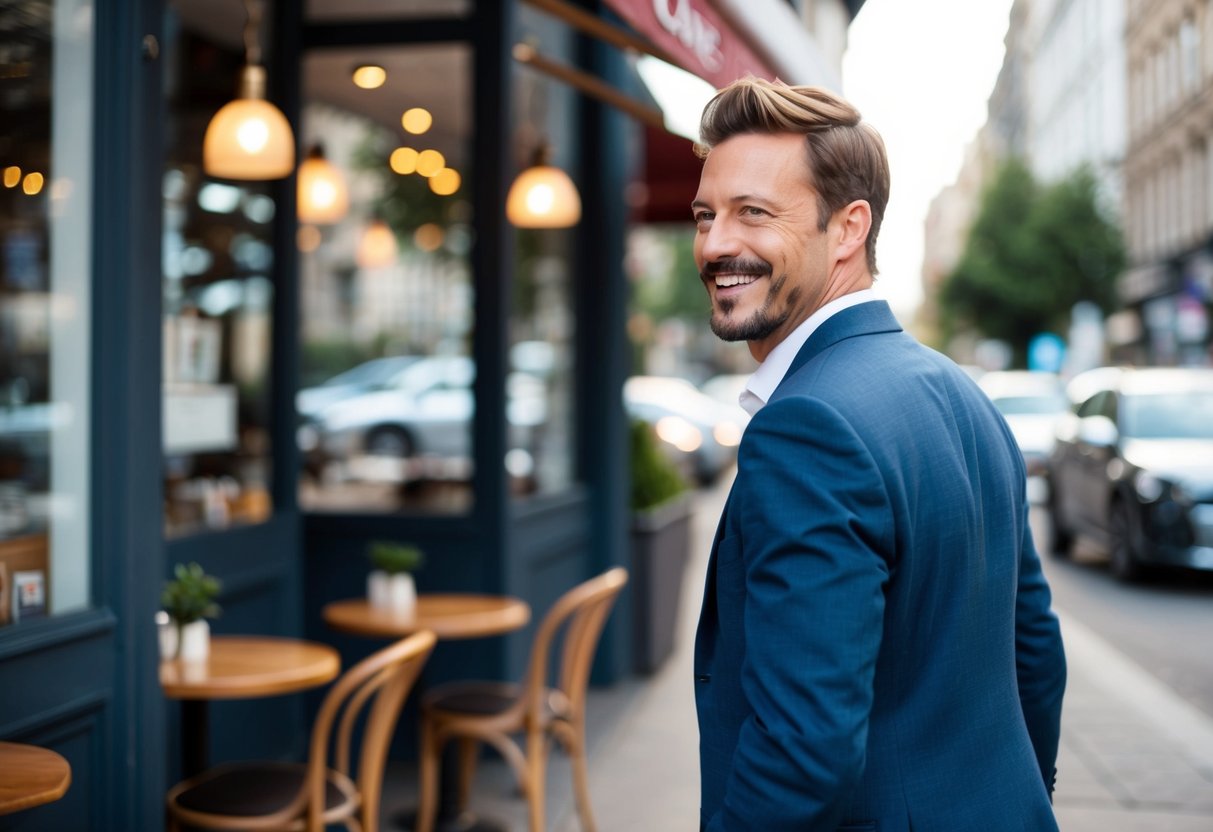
[(921, 72)]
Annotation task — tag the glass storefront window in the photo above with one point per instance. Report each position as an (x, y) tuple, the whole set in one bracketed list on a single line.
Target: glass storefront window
[(386, 402), (46, 125), (217, 295), (540, 379)]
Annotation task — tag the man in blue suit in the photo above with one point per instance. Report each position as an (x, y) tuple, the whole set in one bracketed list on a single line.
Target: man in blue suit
[(876, 649)]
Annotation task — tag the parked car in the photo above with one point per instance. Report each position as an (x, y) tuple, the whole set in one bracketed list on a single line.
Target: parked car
[(1031, 402), (695, 429), (726, 388), (426, 410), (364, 378), (1132, 468)]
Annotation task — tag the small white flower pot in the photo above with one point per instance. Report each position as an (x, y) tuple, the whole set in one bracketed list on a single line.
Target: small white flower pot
[(396, 594), (191, 643)]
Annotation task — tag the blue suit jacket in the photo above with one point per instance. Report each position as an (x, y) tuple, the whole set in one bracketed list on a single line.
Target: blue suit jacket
[(876, 649)]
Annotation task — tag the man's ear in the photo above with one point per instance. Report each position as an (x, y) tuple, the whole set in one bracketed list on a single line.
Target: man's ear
[(853, 222)]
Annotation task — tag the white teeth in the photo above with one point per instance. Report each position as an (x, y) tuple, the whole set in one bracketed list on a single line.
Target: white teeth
[(723, 280)]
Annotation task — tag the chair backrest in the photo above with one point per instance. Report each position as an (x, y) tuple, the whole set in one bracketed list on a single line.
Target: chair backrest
[(581, 613), (387, 676)]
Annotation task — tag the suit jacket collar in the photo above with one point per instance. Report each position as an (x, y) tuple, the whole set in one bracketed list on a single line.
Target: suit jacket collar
[(865, 319)]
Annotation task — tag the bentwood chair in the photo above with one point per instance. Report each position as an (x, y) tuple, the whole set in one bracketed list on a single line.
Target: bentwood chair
[(308, 796), (491, 712)]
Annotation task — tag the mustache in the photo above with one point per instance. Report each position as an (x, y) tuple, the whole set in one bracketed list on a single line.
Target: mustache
[(736, 265)]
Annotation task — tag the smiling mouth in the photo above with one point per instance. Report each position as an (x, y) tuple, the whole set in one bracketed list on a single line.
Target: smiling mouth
[(726, 280)]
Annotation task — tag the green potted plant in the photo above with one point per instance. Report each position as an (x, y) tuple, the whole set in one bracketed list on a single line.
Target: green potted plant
[(188, 600), (390, 586), (661, 529)]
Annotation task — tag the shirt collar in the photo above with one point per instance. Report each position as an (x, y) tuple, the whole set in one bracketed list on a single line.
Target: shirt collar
[(766, 378)]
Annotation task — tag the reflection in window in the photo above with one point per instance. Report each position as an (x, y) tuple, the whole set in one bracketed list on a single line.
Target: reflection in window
[(386, 405), (46, 54), (539, 386), (217, 298)]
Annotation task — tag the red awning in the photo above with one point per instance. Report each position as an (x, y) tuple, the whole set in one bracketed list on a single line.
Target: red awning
[(671, 178), (694, 34)]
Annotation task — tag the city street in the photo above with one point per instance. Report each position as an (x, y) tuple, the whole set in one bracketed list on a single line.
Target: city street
[(1162, 623)]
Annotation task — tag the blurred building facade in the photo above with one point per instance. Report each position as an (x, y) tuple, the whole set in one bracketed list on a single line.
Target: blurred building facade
[(1077, 98), (1169, 183), (1126, 87), (1005, 133)]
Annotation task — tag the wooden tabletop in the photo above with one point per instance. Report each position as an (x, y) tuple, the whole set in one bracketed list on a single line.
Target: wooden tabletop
[(30, 776), (449, 615), (244, 667)]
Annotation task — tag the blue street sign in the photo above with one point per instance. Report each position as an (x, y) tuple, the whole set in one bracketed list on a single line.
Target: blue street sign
[(1046, 352)]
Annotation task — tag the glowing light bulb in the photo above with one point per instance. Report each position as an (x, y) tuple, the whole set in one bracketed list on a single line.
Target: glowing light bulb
[(429, 162), (541, 198), (404, 160), (370, 77), (416, 120), (33, 183), (445, 182), (253, 135)]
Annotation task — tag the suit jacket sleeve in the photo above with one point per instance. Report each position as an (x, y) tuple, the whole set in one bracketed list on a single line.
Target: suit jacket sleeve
[(814, 513), (1039, 659)]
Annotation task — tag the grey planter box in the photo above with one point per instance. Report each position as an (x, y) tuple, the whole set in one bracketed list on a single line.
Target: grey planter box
[(661, 541)]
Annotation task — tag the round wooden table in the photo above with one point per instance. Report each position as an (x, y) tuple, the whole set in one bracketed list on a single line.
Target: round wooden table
[(30, 776), (450, 616), (240, 667)]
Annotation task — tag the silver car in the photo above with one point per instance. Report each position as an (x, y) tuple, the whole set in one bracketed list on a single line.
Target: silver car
[(694, 428), (426, 410)]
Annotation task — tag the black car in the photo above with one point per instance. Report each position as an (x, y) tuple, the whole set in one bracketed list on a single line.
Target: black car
[(1133, 468)]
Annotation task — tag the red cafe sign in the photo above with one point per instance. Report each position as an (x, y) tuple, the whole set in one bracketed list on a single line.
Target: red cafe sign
[(695, 35)]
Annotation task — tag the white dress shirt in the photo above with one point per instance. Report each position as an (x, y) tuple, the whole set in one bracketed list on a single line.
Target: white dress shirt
[(770, 372)]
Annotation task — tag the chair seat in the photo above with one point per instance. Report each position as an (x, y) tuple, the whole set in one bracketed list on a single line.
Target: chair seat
[(490, 699), (254, 789)]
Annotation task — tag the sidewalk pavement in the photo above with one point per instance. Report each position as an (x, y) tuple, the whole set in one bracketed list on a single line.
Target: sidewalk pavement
[(1134, 756)]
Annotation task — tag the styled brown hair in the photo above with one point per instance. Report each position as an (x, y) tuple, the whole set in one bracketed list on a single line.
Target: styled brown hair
[(846, 156)]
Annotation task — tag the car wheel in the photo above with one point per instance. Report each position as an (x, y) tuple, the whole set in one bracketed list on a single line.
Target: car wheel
[(389, 441), (1062, 537), (1124, 546)]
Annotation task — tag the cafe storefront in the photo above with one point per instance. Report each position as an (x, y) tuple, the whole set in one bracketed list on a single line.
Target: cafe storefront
[(267, 375)]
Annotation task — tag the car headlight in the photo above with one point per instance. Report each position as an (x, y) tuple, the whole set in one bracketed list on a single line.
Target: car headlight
[(679, 432), (1149, 487), (727, 434)]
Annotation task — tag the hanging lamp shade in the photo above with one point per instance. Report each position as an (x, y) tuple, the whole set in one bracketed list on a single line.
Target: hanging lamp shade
[(377, 246), (543, 196), (323, 198), (249, 138)]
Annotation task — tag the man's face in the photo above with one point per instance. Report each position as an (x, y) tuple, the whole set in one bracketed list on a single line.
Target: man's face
[(760, 254)]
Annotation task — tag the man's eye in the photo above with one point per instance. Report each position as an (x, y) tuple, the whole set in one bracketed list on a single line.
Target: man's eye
[(703, 216), (751, 211)]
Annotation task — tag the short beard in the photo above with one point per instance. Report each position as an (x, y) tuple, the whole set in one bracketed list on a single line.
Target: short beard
[(759, 326)]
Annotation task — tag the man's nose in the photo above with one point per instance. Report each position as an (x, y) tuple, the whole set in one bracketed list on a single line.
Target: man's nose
[(718, 242)]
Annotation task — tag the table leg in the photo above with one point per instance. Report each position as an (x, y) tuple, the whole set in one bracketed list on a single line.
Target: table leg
[(195, 737)]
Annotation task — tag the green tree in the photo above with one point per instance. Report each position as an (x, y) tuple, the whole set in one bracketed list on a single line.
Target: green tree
[(1031, 254)]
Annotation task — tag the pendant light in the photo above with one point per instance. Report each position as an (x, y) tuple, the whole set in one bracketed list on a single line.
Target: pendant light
[(323, 198), (249, 138), (543, 196), (377, 246)]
